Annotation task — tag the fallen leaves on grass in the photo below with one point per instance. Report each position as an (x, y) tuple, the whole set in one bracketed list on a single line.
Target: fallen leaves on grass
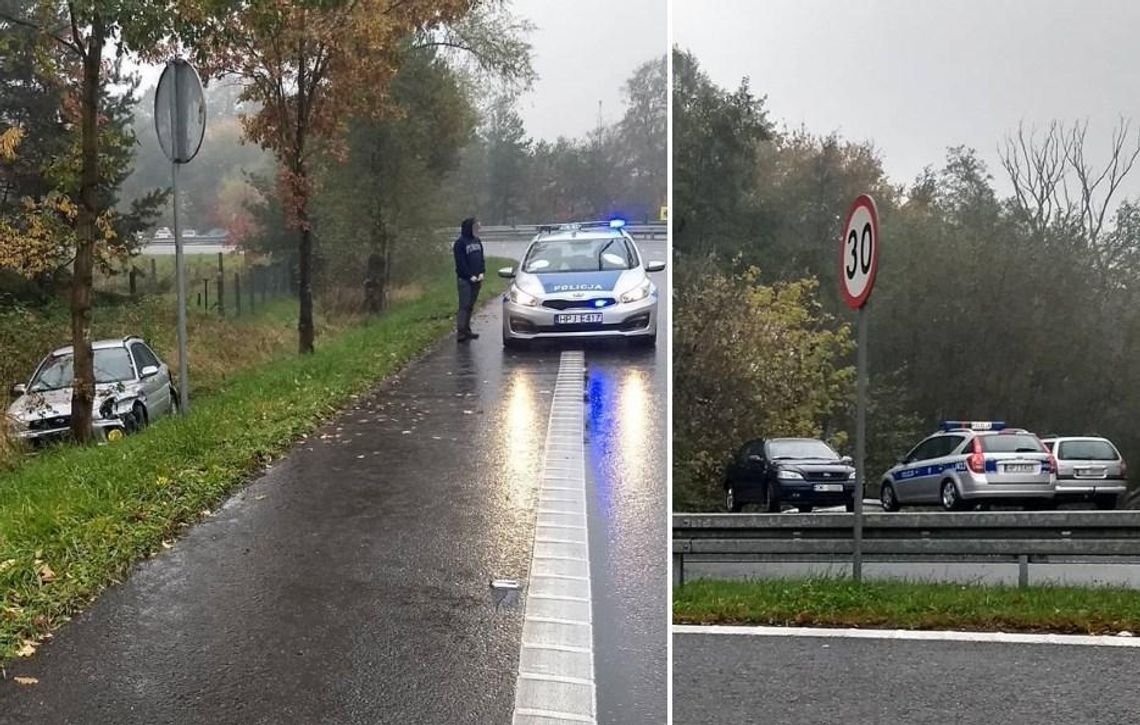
[(47, 576)]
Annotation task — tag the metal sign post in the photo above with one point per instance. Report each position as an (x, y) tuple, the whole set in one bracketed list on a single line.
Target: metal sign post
[(180, 122), (858, 264)]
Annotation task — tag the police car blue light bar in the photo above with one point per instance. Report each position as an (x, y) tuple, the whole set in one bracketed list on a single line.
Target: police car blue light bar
[(617, 223), (972, 425)]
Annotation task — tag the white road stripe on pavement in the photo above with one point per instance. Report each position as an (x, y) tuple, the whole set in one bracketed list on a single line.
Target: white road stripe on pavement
[(556, 657), (913, 634)]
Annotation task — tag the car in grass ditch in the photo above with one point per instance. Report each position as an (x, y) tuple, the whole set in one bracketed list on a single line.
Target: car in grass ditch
[(581, 280), (132, 389), (801, 472)]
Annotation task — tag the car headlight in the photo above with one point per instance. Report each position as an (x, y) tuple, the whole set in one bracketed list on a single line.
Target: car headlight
[(851, 476), (519, 297), (786, 475), (639, 292)]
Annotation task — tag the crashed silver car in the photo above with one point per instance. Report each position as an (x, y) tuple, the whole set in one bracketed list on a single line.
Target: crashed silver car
[(132, 388)]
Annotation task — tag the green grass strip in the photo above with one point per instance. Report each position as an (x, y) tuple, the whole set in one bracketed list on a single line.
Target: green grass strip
[(76, 519), (834, 602)]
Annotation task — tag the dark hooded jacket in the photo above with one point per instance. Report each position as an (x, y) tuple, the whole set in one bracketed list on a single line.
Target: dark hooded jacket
[(468, 251)]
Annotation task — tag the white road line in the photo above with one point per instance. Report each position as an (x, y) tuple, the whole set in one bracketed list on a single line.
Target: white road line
[(556, 658), (562, 576), (557, 597), (557, 647), (539, 715), (914, 635)]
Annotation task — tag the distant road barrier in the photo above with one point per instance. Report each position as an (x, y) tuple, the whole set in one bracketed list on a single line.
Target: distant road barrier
[(516, 233), (982, 537), (525, 232)]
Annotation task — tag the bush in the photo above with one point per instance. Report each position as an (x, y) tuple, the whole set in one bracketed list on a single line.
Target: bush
[(749, 361)]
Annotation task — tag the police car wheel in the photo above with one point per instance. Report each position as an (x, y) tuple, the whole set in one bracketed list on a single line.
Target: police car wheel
[(951, 501), (887, 498)]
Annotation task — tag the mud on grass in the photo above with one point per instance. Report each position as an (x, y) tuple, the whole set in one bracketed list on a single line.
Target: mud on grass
[(74, 520), (832, 602)]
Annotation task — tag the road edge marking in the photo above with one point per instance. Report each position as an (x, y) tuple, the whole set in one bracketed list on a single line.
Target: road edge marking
[(927, 635), (563, 688)]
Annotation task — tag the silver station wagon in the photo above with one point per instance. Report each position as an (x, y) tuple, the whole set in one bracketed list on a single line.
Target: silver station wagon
[(1089, 468), (132, 388)]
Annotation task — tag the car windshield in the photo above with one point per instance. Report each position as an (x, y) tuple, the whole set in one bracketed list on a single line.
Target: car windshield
[(1012, 443), (112, 365), (579, 255), (801, 449), (1087, 451)]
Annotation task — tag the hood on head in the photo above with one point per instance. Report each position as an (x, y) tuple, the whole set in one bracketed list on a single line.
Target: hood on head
[(467, 228)]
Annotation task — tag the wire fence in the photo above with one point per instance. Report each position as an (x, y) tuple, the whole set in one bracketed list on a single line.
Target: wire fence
[(224, 284)]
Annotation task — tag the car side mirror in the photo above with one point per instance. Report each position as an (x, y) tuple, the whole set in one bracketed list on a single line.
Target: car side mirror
[(507, 272), (847, 460), (655, 267), (755, 458), (149, 371), (18, 389)]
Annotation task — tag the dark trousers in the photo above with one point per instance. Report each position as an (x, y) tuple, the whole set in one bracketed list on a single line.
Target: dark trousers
[(468, 293)]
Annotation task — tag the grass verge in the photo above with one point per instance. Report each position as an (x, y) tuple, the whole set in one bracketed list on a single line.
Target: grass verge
[(74, 520), (830, 602)]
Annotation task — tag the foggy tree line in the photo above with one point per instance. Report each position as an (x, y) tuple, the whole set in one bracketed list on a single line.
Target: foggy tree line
[(615, 169), (1020, 307)]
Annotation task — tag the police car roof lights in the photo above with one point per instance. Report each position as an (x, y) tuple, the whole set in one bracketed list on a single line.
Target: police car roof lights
[(948, 425), (576, 226)]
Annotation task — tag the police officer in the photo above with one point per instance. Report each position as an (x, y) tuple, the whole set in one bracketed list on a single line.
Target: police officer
[(469, 270)]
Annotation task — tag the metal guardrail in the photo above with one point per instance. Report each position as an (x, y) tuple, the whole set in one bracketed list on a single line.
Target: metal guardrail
[(519, 232), (987, 537)]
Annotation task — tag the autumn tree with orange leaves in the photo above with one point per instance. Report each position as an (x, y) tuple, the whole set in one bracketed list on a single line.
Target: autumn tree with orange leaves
[(309, 67), (79, 35)]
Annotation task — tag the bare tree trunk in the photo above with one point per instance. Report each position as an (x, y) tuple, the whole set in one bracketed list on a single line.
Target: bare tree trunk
[(83, 390), (305, 280), (387, 283)]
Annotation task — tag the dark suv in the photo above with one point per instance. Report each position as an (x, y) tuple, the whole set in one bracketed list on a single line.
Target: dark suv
[(802, 472)]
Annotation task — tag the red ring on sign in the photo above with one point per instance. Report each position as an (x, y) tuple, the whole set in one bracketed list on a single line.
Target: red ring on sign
[(856, 302)]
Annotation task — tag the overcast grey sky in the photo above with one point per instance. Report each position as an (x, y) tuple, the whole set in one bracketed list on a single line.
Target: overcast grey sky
[(584, 51), (918, 76)]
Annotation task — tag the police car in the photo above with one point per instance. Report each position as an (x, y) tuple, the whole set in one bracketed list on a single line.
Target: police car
[(972, 462), (581, 280)]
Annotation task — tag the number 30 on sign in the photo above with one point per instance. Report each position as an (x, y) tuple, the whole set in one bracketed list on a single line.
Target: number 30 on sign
[(859, 252)]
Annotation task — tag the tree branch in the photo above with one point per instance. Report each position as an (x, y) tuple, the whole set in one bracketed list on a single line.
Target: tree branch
[(42, 31)]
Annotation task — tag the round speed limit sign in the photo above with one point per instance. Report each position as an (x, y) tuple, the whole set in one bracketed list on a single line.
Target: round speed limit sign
[(859, 252)]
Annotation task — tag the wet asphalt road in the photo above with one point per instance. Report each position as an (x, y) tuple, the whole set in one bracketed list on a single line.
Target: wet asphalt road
[(627, 428), (817, 681), (349, 584)]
